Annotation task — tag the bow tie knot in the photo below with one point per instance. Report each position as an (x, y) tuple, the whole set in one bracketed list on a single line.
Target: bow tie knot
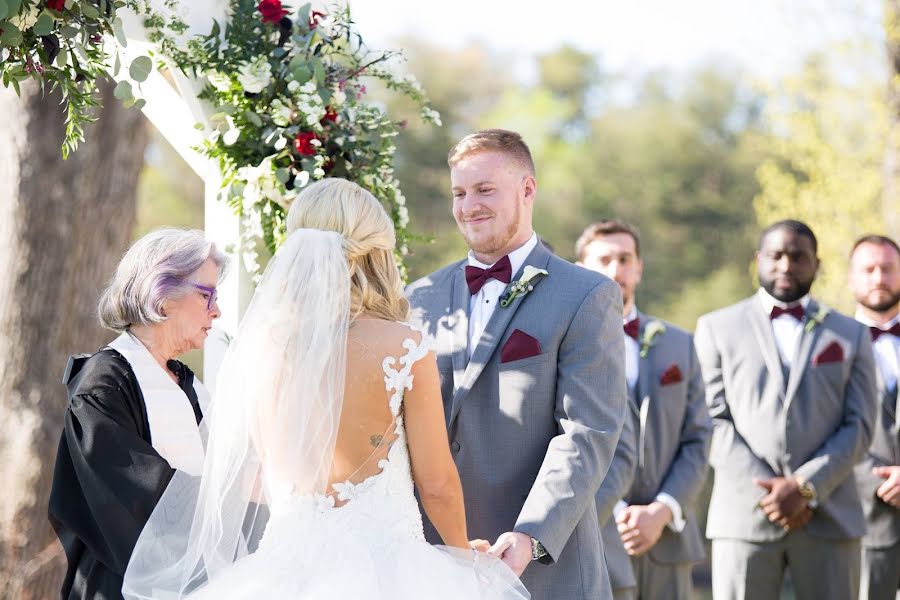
[(795, 311), (476, 277), (877, 332), (632, 328)]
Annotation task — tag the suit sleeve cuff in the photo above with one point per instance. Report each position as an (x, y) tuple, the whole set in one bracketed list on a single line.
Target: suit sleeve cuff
[(620, 507), (678, 521)]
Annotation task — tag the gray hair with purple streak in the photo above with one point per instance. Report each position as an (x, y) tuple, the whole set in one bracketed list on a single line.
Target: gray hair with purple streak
[(158, 267)]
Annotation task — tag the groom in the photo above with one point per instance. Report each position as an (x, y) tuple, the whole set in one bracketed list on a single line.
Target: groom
[(531, 358)]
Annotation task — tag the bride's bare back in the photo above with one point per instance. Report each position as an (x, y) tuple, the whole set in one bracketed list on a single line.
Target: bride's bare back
[(375, 349)]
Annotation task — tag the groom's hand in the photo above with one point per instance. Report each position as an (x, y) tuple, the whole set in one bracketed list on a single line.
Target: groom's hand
[(514, 549)]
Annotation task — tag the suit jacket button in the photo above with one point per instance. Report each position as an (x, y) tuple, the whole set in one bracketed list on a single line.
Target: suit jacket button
[(455, 446)]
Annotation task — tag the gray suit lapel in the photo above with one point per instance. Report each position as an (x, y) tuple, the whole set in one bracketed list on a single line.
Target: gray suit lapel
[(459, 326), (493, 332), (644, 393), (804, 350), (765, 337)]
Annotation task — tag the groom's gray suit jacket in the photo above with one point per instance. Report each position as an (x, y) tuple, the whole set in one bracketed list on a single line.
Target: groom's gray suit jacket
[(534, 437), (814, 421)]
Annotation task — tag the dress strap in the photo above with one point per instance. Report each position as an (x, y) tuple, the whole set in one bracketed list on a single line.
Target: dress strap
[(397, 381)]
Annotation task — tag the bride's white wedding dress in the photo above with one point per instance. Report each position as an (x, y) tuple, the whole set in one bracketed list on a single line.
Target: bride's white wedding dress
[(366, 540)]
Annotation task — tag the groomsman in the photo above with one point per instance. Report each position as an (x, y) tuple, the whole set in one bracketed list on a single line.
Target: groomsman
[(656, 526), (791, 390), (875, 282)]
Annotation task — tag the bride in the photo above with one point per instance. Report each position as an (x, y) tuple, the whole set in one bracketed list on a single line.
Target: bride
[(328, 414)]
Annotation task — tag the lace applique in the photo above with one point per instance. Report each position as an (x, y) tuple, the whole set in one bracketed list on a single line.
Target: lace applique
[(398, 381)]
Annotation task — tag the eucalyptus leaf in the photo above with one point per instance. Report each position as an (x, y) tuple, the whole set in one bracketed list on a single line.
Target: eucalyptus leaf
[(140, 104), (4, 9), (14, 6), (119, 32), (67, 31), (253, 118), (303, 15), (123, 91), (90, 11), (63, 59), (43, 26), (320, 72), (282, 175), (140, 68), (11, 35), (117, 66)]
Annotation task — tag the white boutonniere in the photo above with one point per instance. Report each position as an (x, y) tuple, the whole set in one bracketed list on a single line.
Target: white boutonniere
[(816, 319), (521, 286), (652, 331)]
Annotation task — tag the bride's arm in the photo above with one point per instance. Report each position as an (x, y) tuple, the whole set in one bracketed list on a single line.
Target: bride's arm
[(434, 472)]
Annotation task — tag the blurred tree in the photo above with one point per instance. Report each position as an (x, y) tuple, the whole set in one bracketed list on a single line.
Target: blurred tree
[(828, 139), (892, 149), (63, 227)]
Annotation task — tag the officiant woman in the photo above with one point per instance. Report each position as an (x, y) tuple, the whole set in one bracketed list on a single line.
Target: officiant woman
[(134, 410)]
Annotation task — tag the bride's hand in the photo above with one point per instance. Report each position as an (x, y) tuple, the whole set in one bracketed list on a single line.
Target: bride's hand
[(480, 545)]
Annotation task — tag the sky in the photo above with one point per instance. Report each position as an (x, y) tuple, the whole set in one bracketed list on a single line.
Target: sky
[(766, 37)]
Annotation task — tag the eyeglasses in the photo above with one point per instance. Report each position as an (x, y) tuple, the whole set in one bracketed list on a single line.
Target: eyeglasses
[(213, 294)]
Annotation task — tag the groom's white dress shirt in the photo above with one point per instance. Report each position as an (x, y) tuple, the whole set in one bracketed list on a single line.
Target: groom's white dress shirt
[(482, 304)]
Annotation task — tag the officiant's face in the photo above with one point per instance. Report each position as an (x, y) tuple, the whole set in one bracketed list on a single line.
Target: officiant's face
[(493, 197)]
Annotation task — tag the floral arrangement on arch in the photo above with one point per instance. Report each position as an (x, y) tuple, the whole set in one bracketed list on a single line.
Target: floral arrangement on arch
[(289, 99), (61, 43)]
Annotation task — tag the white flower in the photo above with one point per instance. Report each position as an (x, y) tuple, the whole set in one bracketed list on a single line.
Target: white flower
[(529, 272), (302, 179), (309, 87), (293, 86), (319, 173), (431, 115), (233, 132), (26, 20), (403, 216), (281, 113), (219, 81), (255, 75), (338, 98)]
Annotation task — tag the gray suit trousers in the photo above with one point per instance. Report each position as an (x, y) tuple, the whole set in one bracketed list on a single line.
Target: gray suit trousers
[(880, 573), (820, 569), (662, 580)]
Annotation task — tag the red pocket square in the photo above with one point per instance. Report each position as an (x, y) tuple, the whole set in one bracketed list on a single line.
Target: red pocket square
[(831, 354), (671, 375), (519, 345)]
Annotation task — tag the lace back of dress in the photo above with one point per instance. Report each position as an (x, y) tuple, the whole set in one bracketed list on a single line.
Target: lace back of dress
[(372, 421)]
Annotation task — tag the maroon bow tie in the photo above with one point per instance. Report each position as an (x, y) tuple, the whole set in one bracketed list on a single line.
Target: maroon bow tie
[(476, 277), (877, 332), (795, 311), (632, 328)]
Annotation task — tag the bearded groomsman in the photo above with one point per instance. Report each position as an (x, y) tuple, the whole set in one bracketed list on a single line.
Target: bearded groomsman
[(875, 282), (791, 390), (655, 520), (532, 375)]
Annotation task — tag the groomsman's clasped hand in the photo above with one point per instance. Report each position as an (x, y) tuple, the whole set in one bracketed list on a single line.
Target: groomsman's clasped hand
[(784, 504), (889, 491), (641, 526)]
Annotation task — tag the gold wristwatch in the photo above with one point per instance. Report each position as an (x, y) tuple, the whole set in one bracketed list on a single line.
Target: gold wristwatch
[(808, 491)]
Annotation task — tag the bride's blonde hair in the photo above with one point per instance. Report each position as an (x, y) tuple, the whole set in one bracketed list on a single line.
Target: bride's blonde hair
[(339, 205)]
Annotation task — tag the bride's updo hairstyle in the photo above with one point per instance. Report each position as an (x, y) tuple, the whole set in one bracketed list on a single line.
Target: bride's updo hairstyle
[(339, 205)]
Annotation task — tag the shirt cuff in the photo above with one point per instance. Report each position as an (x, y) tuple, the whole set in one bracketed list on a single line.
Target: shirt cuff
[(678, 522), (620, 506)]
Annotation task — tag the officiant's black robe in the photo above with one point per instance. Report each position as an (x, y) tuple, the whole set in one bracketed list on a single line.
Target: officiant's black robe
[(107, 478)]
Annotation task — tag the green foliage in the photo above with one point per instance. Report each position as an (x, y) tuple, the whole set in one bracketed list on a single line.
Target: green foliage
[(828, 142)]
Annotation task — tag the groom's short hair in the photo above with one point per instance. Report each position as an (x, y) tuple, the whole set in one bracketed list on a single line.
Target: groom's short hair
[(505, 142)]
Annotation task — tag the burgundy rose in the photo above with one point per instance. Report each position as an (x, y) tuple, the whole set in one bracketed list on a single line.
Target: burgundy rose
[(314, 19), (57, 5), (303, 143), (330, 115), (271, 10)]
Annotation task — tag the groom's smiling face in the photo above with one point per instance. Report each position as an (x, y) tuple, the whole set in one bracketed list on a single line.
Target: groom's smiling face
[(493, 197)]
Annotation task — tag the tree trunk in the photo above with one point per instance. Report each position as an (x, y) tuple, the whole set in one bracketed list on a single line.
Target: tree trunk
[(892, 151), (63, 228)]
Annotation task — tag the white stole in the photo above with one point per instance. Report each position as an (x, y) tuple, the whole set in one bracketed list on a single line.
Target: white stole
[(173, 426)]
